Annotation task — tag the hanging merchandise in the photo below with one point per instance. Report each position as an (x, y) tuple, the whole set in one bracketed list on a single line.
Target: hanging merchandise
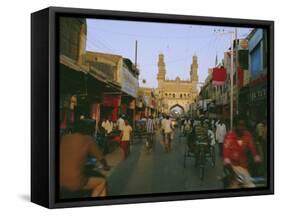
[(111, 100), (219, 76)]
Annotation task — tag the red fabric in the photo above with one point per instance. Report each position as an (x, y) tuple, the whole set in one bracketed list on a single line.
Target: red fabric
[(240, 77), (114, 114), (72, 117), (237, 152), (63, 123), (111, 100), (219, 76), (124, 146), (142, 115), (116, 139)]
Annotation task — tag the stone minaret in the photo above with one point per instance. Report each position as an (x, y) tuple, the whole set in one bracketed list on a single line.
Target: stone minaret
[(194, 69), (161, 70)]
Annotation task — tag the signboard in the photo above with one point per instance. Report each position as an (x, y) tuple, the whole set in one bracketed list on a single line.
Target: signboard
[(243, 44), (129, 83), (256, 38), (258, 93)]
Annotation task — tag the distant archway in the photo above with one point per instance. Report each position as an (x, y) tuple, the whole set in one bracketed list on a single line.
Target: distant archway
[(176, 110)]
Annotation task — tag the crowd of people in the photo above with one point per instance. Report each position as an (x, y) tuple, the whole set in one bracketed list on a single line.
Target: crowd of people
[(242, 148)]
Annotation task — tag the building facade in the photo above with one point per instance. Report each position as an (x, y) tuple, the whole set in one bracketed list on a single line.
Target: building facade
[(176, 93)]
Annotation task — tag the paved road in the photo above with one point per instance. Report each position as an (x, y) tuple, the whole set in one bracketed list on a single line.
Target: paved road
[(160, 172)]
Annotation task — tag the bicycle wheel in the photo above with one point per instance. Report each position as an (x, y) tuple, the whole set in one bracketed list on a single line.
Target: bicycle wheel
[(202, 173), (185, 155), (202, 164), (213, 156)]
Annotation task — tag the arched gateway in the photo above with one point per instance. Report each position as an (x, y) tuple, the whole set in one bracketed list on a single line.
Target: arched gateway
[(176, 92), (176, 110)]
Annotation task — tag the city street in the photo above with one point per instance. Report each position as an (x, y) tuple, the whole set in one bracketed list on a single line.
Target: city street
[(217, 93), (160, 172)]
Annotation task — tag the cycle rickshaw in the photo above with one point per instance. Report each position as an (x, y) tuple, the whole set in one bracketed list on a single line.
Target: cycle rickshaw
[(200, 148)]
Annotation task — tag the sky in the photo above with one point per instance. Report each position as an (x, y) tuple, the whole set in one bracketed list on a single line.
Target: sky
[(178, 43)]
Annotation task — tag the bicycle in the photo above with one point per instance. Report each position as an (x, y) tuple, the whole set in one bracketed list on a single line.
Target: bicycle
[(149, 142), (200, 157)]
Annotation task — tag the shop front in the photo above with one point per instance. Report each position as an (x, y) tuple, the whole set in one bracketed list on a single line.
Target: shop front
[(72, 87), (109, 106)]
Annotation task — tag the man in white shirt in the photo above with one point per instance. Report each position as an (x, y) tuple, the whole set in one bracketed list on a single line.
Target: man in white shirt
[(125, 138), (220, 134), (120, 123), (150, 129), (107, 125), (167, 129)]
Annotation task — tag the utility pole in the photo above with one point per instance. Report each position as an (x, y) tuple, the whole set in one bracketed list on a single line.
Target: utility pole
[(232, 73), (231, 83), (237, 71), (135, 102), (136, 54)]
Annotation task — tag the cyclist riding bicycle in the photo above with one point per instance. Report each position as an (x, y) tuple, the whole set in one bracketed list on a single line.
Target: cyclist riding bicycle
[(236, 144), (201, 141), (201, 132)]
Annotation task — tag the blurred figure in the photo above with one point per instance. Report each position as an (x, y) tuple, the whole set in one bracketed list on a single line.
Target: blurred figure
[(261, 136), (125, 138), (211, 135), (182, 124), (220, 134), (261, 131), (167, 129), (201, 130), (75, 148), (107, 127), (236, 143), (201, 136), (162, 123), (150, 130), (120, 122)]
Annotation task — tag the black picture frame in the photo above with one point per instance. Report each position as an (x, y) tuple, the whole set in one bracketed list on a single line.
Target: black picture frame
[(45, 100)]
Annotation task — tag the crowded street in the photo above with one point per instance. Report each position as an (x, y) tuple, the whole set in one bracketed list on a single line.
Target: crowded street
[(139, 120), (160, 172)]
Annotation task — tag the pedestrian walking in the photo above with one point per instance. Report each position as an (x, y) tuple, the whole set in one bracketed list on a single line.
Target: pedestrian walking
[(167, 129), (150, 129), (261, 144), (125, 138), (120, 122), (107, 127), (220, 134)]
